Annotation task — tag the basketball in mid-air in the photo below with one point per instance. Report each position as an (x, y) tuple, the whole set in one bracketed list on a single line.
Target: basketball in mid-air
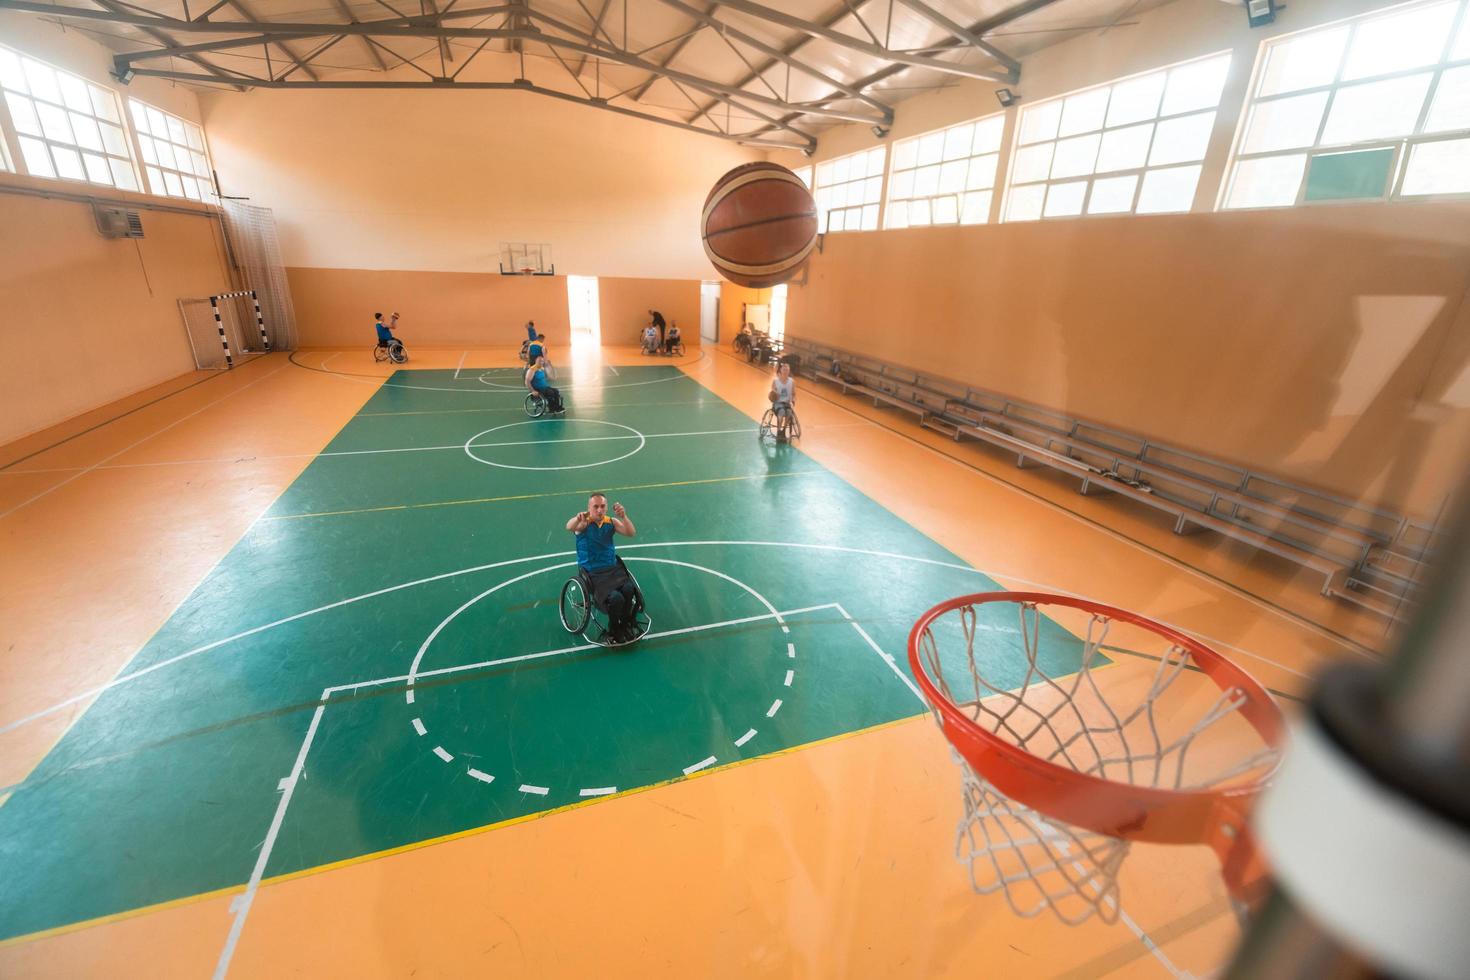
[(759, 225), (771, 395)]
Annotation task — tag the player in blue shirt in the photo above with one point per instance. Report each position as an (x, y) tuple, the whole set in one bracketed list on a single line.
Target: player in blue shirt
[(385, 330), (612, 589), (536, 348), (536, 381)]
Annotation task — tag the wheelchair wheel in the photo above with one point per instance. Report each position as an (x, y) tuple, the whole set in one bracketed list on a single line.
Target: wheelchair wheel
[(380, 353), (535, 405), (576, 605), (768, 424), (396, 353)]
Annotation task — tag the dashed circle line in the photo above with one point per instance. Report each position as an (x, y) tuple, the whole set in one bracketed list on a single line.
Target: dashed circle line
[(596, 791), (469, 447)]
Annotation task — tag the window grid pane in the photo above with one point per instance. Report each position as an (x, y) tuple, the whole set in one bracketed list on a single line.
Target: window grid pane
[(65, 123), (175, 154), (1138, 142), (1380, 88), (945, 177)]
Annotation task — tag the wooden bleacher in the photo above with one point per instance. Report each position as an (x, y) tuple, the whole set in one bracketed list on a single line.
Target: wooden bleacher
[(1365, 555)]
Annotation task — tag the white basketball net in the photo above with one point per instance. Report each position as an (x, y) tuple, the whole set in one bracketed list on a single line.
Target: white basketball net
[(1037, 861)]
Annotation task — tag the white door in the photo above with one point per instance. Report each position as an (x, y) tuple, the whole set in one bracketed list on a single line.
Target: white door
[(709, 312)]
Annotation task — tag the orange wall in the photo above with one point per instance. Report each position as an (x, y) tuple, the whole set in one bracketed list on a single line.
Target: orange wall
[(335, 307), (1309, 342), (87, 319), (624, 306), (434, 181)]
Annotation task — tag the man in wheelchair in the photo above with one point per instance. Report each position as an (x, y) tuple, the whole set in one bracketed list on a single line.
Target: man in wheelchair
[(613, 589), (783, 402), (389, 346)]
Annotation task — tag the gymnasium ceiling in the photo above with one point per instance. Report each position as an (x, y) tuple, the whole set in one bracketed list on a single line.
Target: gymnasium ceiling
[(772, 73)]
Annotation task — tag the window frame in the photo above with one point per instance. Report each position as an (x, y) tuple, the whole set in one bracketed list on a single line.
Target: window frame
[(995, 190), (209, 195), (20, 164), (1139, 173), (1402, 146), (824, 214)]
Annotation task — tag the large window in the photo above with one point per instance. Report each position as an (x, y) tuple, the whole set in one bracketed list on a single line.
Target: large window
[(945, 177), (848, 191), (1374, 107), (174, 156), (67, 127), (1135, 145)]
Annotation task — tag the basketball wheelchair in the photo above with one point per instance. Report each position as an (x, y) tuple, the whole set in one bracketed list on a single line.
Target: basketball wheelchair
[(582, 616), (771, 424), (535, 404), (390, 351)]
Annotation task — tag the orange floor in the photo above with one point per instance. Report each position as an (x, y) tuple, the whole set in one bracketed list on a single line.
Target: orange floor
[(834, 860)]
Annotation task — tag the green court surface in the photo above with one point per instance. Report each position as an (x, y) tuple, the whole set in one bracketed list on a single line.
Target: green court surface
[(379, 661)]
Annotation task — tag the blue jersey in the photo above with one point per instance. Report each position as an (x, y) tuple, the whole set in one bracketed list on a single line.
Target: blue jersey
[(595, 550), (535, 351), (384, 334), (538, 380), (530, 332)]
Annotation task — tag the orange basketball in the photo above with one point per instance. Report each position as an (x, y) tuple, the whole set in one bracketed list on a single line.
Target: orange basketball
[(759, 225)]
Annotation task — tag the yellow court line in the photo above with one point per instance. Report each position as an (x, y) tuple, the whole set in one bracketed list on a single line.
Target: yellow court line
[(442, 839), (536, 496)]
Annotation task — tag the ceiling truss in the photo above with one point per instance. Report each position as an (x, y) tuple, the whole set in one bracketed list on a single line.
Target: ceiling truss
[(753, 110)]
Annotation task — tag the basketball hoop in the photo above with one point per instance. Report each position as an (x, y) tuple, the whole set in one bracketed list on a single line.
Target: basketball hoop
[(528, 271), (1065, 769)]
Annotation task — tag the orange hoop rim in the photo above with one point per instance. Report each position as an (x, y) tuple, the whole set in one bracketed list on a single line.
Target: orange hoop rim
[(1137, 813)]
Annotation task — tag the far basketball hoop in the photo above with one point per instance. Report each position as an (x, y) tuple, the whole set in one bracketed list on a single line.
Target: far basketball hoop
[(1065, 764), (526, 259)]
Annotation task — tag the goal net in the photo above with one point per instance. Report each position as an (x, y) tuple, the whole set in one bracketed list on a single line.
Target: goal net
[(232, 337)]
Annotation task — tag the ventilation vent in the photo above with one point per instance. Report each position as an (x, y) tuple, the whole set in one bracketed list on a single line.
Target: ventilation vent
[(118, 222)]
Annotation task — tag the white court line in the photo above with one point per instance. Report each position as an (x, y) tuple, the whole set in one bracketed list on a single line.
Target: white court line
[(240, 907), (522, 658), (775, 707), (790, 676), (196, 651), (383, 382), (329, 360), (132, 446), (892, 664), (462, 355), (614, 371), (418, 724), (405, 449), (746, 737), (483, 777), (703, 764)]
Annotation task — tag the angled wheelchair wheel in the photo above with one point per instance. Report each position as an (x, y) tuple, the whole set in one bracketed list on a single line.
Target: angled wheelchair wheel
[(380, 353), (576, 605), (768, 424), (535, 405), (396, 353)]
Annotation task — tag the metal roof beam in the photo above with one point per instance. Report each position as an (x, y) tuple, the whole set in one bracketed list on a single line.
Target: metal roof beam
[(964, 36), (778, 56), (868, 48), (752, 138)]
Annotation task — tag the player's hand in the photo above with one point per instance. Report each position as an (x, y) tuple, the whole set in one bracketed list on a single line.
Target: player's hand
[(584, 517), (618, 509)]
